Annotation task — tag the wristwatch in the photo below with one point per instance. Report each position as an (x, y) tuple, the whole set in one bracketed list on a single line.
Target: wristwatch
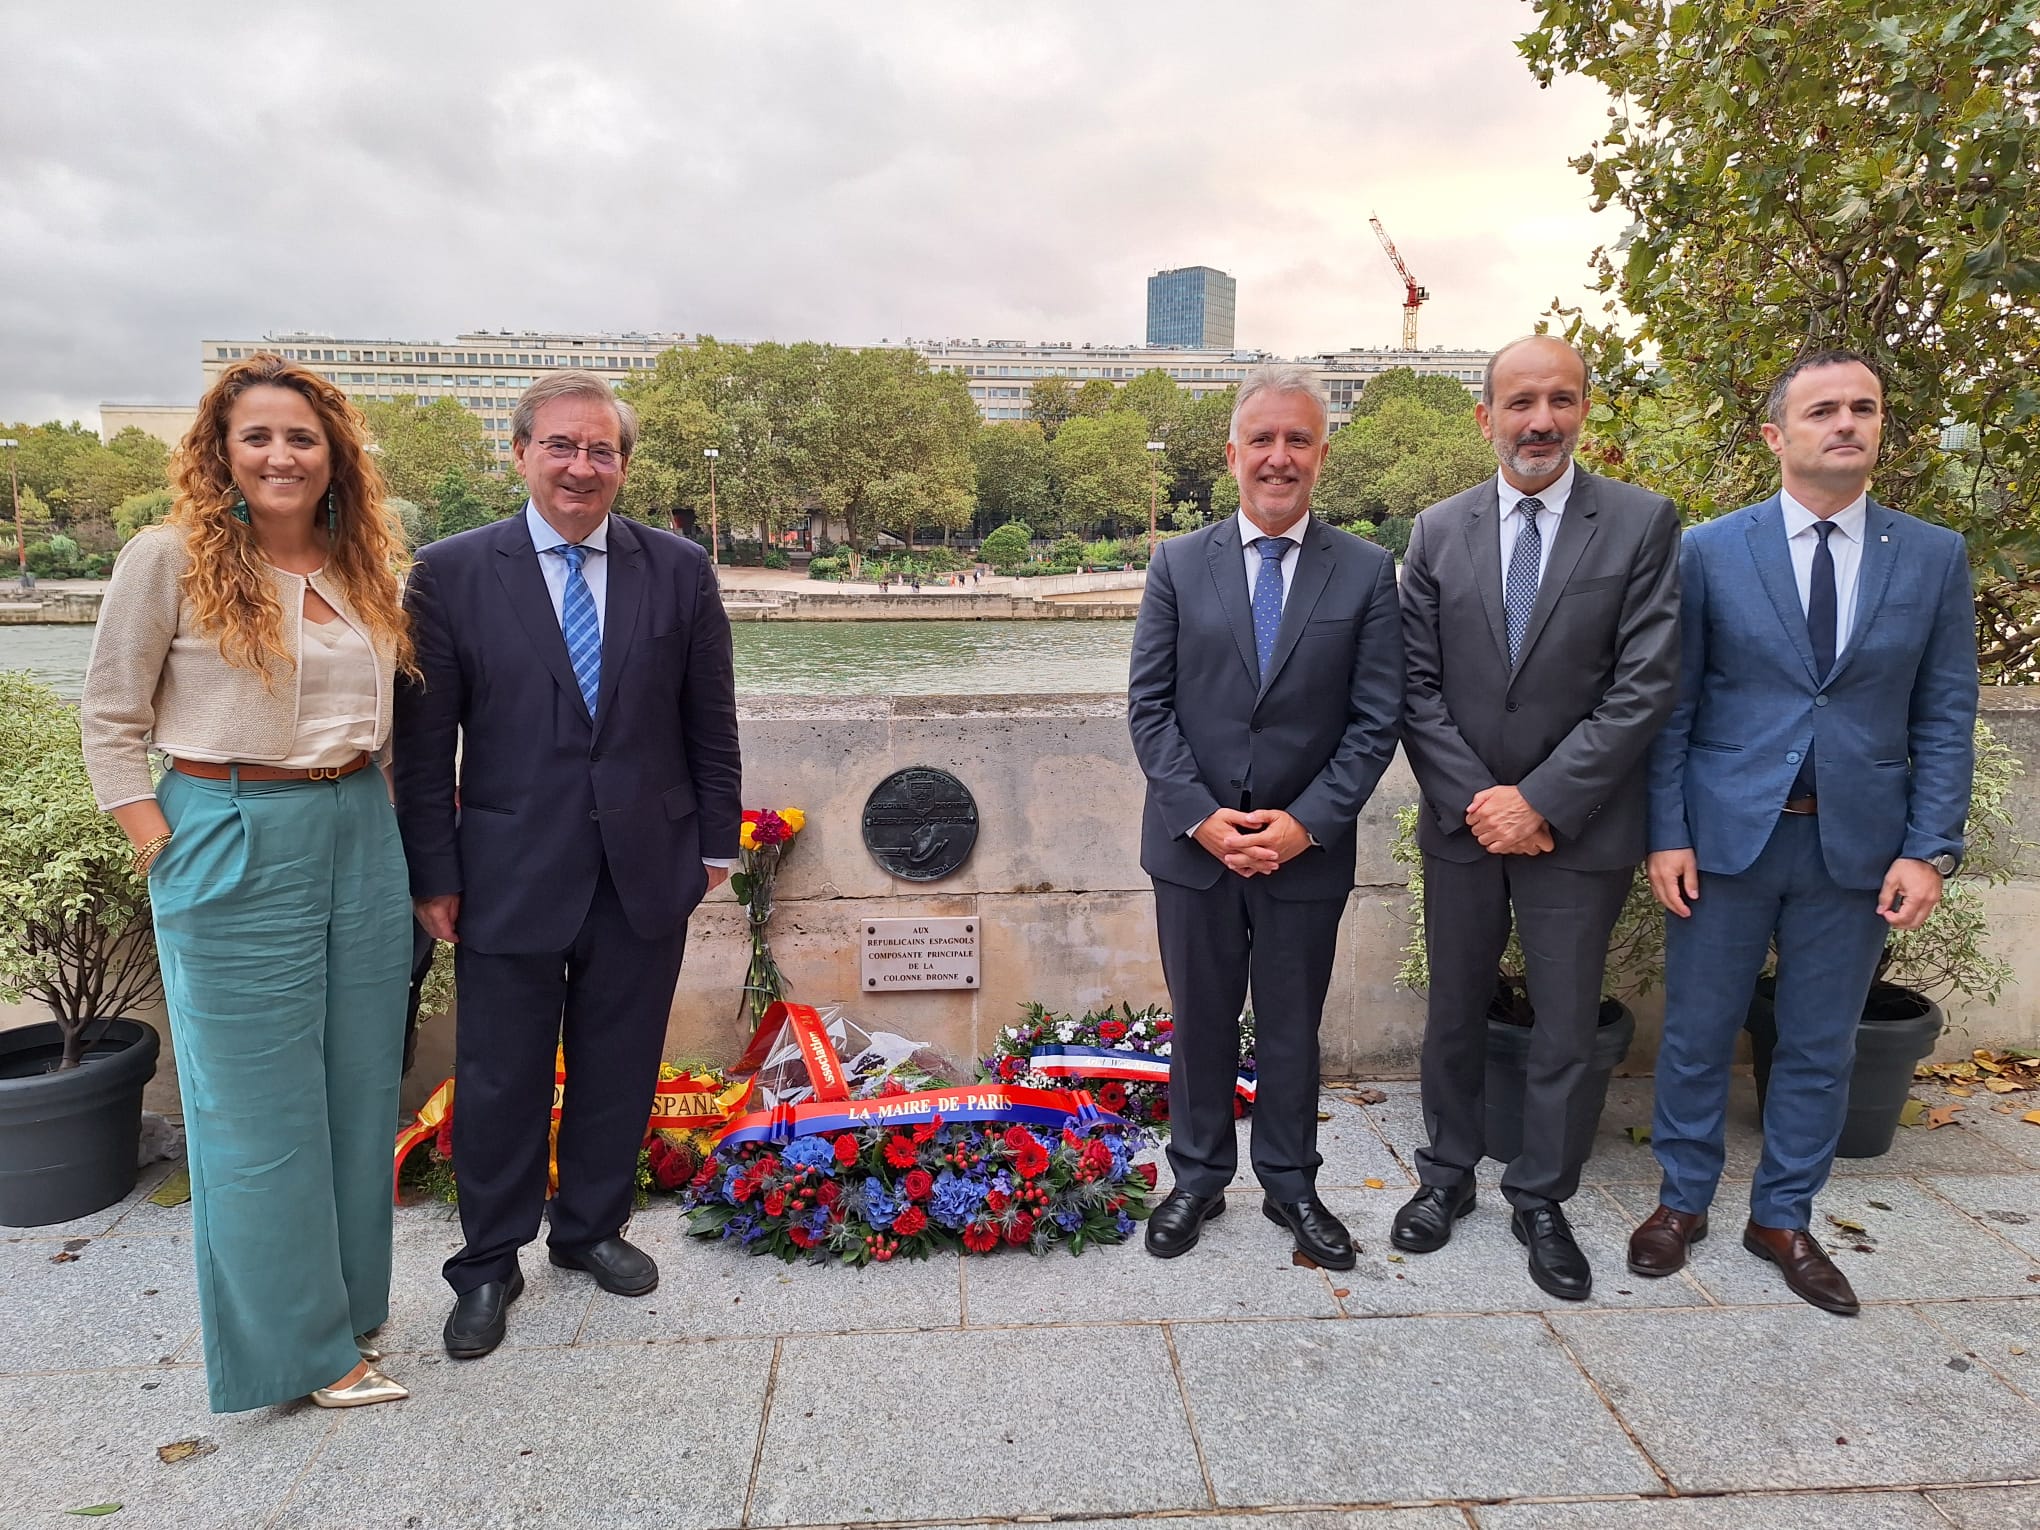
[(1944, 863)]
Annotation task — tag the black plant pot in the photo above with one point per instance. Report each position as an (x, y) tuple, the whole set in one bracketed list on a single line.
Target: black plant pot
[(1898, 1028), (68, 1140), (1508, 1056)]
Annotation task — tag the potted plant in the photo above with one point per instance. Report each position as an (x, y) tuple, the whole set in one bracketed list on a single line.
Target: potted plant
[(1902, 1016), (74, 933), (1636, 956)]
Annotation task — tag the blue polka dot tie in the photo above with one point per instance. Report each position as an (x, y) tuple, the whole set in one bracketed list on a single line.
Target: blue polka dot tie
[(1519, 594), (1268, 597), (578, 624)]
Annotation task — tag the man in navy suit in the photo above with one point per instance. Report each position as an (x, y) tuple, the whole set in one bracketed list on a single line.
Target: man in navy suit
[(581, 662), (1265, 689), (1811, 789)]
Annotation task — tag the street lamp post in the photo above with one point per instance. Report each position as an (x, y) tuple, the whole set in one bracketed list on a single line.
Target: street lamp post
[(10, 446), (1155, 450), (714, 539)]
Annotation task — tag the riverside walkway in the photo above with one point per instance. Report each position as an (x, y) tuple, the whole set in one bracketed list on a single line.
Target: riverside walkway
[(1228, 1389)]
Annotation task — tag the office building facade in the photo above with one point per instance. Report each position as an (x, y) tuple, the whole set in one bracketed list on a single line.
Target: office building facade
[(1192, 306)]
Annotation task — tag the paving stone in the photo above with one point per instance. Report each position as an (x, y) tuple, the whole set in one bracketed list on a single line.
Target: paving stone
[(1958, 1148), (2016, 1508), (1242, 1267), (2009, 1205), (655, 1437), (1396, 1409), (1308, 1519), (2004, 1335), (1785, 1511), (77, 1441), (1921, 1247), (94, 1223), (549, 1312), (1484, 1268), (115, 1301), (964, 1425), (710, 1290), (1353, 1151), (1691, 1383), (1981, 1117)]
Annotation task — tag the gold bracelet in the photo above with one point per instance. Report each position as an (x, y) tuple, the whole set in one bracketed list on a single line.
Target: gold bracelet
[(148, 853)]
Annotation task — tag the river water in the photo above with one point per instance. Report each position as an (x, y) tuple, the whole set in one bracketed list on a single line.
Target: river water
[(922, 658)]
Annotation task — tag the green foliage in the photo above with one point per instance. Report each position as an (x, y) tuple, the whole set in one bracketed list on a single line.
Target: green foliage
[(72, 476), (1012, 472), (462, 500), (828, 567), (1445, 395), (1160, 404), (1066, 549), (1185, 516), (74, 920), (139, 510), (1050, 401), (1195, 460), (418, 445), (1007, 547), (56, 557), (1100, 472), (1860, 173), (1400, 458), (1096, 397)]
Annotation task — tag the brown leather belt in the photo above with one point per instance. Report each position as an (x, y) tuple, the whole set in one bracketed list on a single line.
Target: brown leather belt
[(205, 770), (1803, 807)]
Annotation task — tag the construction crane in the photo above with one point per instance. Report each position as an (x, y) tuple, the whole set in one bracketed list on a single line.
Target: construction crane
[(1413, 295)]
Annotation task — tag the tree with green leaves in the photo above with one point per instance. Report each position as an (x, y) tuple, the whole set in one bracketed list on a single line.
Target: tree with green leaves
[(417, 444), (1012, 472), (1399, 459), (1444, 394), (1050, 401), (1802, 175), (1155, 397), (1099, 468), (888, 447), (139, 510), (1095, 397), (1195, 461), (1007, 546)]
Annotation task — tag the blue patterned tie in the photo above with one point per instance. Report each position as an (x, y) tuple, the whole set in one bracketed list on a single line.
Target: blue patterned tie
[(578, 624), (1519, 593), (1268, 597)]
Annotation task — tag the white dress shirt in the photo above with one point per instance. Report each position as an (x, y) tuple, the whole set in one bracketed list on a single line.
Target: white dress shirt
[(594, 569), (1845, 546), (1512, 520), (1249, 532)]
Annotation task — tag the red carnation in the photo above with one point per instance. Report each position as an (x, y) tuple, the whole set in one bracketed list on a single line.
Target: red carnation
[(927, 1130), (846, 1149), (1161, 1107), (775, 1203), (744, 1188), (1009, 1069), (828, 1192), (705, 1175), (768, 828), (1147, 1172), (910, 1221), (1111, 1032), (1030, 1159), (919, 1184), (1097, 1158), (1021, 1230), (1165, 1027), (899, 1150), (981, 1237), (802, 1237), (1112, 1096), (997, 1201)]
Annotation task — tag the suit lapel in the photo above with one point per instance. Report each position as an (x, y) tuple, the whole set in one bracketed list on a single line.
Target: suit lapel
[(1483, 545), (619, 620), (517, 568), (1229, 574), (1313, 573), (1576, 529), (1774, 567), (1874, 569)]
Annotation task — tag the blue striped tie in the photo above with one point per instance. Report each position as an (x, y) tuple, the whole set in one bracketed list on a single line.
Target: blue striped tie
[(578, 623)]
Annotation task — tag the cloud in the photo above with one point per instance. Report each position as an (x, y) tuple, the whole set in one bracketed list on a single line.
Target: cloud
[(797, 171)]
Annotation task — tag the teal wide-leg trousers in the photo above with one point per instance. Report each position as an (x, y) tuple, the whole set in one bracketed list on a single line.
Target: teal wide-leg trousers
[(283, 921)]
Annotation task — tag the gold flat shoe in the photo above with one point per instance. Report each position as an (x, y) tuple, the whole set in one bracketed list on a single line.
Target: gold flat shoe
[(373, 1387), (366, 1349)]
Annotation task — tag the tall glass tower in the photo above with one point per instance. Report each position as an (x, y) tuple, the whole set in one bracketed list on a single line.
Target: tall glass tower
[(1193, 306)]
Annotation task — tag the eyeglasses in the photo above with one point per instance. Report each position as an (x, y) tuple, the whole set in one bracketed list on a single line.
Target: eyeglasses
[(604, 459)]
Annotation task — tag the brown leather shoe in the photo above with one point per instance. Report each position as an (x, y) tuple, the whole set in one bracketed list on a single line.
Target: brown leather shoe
[(1659, 1246), (1808, 1272)]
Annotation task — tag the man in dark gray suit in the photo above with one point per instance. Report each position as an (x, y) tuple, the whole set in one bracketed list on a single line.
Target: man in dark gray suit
[(1540, 616), (1266, 689)]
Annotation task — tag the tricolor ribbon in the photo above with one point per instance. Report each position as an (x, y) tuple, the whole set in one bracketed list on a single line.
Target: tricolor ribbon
[(1120, 1063), (1052, 1109)]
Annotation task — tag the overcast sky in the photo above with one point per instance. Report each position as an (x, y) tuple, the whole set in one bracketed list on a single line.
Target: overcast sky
[(785, 170)]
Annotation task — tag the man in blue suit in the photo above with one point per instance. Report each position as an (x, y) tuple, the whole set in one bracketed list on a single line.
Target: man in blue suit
[(582, 663), (1810, 788)]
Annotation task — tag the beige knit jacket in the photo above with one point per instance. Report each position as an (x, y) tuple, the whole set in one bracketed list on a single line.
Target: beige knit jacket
[(155, 680)]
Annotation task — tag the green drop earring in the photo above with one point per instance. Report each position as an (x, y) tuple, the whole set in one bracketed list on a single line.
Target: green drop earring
[(332, 513), (239, 509)]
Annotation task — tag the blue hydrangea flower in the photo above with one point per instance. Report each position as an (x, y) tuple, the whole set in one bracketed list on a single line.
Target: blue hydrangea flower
[(879, 1206), (729, 1180), (956, 1199), (809, 1153), (1069, 1219), (743, 1227)]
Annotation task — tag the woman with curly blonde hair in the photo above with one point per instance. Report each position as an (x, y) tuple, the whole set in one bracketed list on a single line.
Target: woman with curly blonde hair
[(253, 640)]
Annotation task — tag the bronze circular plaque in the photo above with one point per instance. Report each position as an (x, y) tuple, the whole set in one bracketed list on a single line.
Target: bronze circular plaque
[(920, 823)]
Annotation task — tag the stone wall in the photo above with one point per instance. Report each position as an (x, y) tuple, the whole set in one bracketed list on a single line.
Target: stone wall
[(1056, 883)]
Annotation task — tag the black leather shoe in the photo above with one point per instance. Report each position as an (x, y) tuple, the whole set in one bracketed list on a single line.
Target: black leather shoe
[(1320, 1236), (1174, 1226), (618, 1267), (476, 1324), (1556, 1263), (1424, 1223)]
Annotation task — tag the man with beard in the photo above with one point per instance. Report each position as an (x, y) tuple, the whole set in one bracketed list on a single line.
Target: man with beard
[(1540, 617)]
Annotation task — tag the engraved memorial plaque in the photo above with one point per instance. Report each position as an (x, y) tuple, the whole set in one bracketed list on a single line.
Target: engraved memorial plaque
[(920, 823), (919, 953)]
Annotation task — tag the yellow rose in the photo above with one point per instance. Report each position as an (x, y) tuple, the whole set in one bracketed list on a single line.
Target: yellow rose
[(796, 820), (746, 837)]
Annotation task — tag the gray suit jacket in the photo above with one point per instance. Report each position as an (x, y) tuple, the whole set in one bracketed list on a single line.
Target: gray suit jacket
[(1571, 726), (1312, 736)]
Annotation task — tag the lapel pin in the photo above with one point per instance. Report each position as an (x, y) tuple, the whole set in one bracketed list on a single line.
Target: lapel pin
[(1884, 539)]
